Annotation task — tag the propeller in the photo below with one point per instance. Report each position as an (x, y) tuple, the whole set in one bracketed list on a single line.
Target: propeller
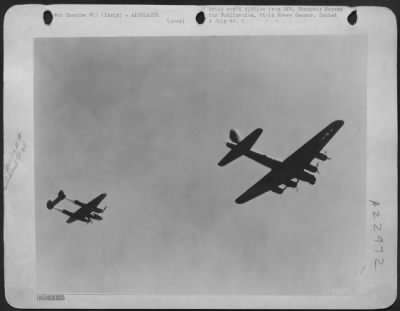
[(317, 166), (328, 158), (285, 187), (105, 207), (297, 183)]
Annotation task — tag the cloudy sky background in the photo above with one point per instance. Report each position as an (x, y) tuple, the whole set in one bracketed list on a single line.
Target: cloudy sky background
[(146, 119)]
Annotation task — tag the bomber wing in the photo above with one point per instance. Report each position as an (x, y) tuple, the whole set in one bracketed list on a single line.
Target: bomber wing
[(269, 182), (311, 149)]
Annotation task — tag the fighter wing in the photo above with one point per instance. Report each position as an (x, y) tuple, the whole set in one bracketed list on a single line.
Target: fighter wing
[(71, 219), (312, 149), (267, 183), (96, 201), (72, 216)]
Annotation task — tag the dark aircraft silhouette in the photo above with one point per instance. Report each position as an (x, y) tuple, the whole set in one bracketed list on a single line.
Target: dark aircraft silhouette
[(85, 213), (282, 172), (61, 196)]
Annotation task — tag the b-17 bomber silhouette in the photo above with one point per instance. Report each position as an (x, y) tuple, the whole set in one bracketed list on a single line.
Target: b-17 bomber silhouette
[(297, 167)]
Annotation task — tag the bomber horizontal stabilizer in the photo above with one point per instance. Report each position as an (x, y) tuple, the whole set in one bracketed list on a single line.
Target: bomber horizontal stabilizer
[(241, 148)]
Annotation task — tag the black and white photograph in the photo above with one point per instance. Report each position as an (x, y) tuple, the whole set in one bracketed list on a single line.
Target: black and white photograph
[(201, 165), (153, 122)]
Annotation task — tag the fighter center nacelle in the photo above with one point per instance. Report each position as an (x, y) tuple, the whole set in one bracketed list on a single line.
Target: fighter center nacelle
[(95, 216)]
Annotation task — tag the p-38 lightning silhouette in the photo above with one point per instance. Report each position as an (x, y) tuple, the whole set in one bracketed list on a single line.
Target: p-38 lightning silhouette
[(85, 213), (282, 172)]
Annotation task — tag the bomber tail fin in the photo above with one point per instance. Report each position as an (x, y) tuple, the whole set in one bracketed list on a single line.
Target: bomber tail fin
[(234, 136)]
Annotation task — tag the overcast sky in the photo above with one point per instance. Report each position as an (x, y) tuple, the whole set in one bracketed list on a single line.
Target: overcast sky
[(146, 120)]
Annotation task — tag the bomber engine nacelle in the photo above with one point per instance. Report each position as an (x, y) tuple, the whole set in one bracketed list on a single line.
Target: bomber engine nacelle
[(291, 184), (277, 190), (311, 168), (308, 178), (322, 156)]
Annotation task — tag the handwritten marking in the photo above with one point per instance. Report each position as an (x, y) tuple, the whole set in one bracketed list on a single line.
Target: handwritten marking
[(14, 160), (374, 203), (377, 228)]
